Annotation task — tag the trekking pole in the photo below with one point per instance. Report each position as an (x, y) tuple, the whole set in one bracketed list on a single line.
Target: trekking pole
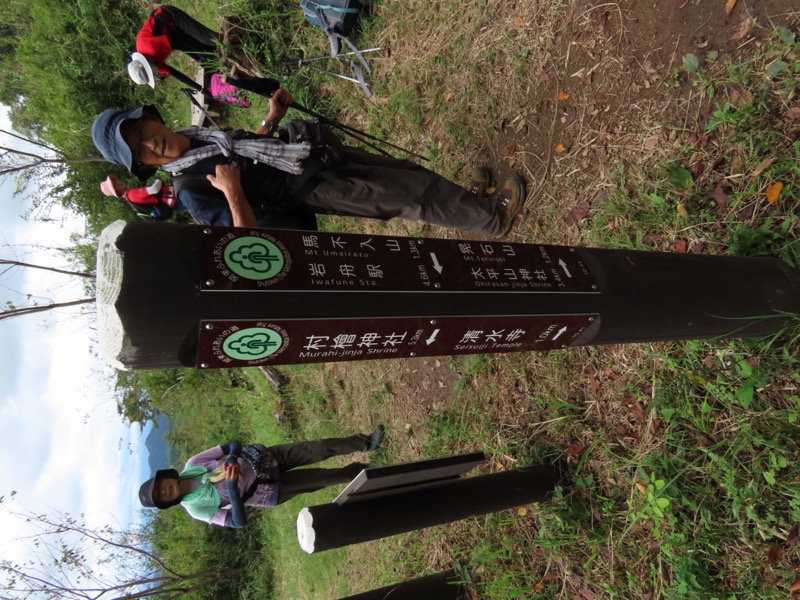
[(288, 63), (334, 73), (355, 133), (190, 93), (186, 80), (267, 87)]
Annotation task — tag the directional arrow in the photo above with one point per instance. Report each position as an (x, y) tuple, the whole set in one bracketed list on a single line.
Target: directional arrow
[(559, 332), (439, 268), (432, 337), (563, 265)]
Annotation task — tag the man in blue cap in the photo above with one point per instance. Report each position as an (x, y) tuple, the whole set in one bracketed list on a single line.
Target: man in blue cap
[(254, 179)]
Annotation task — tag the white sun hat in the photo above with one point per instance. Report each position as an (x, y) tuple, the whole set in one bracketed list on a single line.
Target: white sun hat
[(140, 70)]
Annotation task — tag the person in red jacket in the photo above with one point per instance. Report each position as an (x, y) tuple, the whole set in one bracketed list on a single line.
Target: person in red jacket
[(169, 29), (153, 202)]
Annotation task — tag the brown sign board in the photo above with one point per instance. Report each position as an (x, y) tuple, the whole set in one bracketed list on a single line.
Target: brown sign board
[(378, 482), (241, 343), (258, 259)]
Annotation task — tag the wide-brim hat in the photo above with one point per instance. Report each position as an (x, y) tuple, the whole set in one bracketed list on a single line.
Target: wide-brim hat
[(146, 490), (108, 139), (141, 71)]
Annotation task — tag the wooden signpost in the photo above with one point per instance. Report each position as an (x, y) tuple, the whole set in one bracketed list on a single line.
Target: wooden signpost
[(212, 297)]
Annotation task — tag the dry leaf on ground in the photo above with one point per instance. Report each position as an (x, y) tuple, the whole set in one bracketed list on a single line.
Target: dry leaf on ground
[(563, 96), (651, 142), (560, 149), (764, 164), (587, 594), (794, 535), (745, 27), (793, 113), (678, 246), (774, 191), (729, 6), (519, 21), (723, 200), (774, 555), (574, 450), (576, 215)]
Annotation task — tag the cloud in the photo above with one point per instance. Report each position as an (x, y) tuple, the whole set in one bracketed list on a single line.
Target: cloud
[(66, 448)]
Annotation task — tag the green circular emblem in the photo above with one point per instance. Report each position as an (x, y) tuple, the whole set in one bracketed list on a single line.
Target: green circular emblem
[(252, 343), (254, 258)]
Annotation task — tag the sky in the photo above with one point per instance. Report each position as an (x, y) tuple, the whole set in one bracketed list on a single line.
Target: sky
[(65, 448)]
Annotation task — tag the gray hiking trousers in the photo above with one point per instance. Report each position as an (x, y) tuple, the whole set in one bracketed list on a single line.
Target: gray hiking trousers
[(294, 481), (381, 187)]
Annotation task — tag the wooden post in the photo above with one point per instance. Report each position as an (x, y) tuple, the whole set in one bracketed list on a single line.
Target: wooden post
[(439, 586), (211, 297), (330, 526)]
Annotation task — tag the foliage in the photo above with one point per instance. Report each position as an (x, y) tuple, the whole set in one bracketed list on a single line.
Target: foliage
[(71, 559), (734, 186)]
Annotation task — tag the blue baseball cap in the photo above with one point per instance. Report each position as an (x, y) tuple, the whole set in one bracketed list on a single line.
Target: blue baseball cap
[(146, 490), (107, 138)]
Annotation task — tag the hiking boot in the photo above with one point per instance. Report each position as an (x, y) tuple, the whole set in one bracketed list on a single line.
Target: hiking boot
[(511, 198), (375, 438), (480, 182)]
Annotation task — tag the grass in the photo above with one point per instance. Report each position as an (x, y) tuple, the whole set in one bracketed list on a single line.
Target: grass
[(682, 458)]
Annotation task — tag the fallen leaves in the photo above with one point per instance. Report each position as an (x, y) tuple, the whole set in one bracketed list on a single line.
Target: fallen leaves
[(793, 113), (729, 6), (563, 96), (795, 584), (575, 450), (585, 594), (576, 215), (774, 555), (681, 210), (744, 28), (774, 191), (678, 246), (636, 408), (560, 149), (794, 536), (510, 152), (519, 21), (722, 199), (651, 142), (764, 164)]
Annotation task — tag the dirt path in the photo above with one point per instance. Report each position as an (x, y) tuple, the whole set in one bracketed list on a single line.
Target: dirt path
[(615, 93)]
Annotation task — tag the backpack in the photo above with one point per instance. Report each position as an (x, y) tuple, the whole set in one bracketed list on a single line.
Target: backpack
[(151, 212), (335, 17)]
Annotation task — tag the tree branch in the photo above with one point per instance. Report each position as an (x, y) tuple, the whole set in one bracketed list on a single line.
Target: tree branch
[(33, 142), (18, 312), (16, 263)]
